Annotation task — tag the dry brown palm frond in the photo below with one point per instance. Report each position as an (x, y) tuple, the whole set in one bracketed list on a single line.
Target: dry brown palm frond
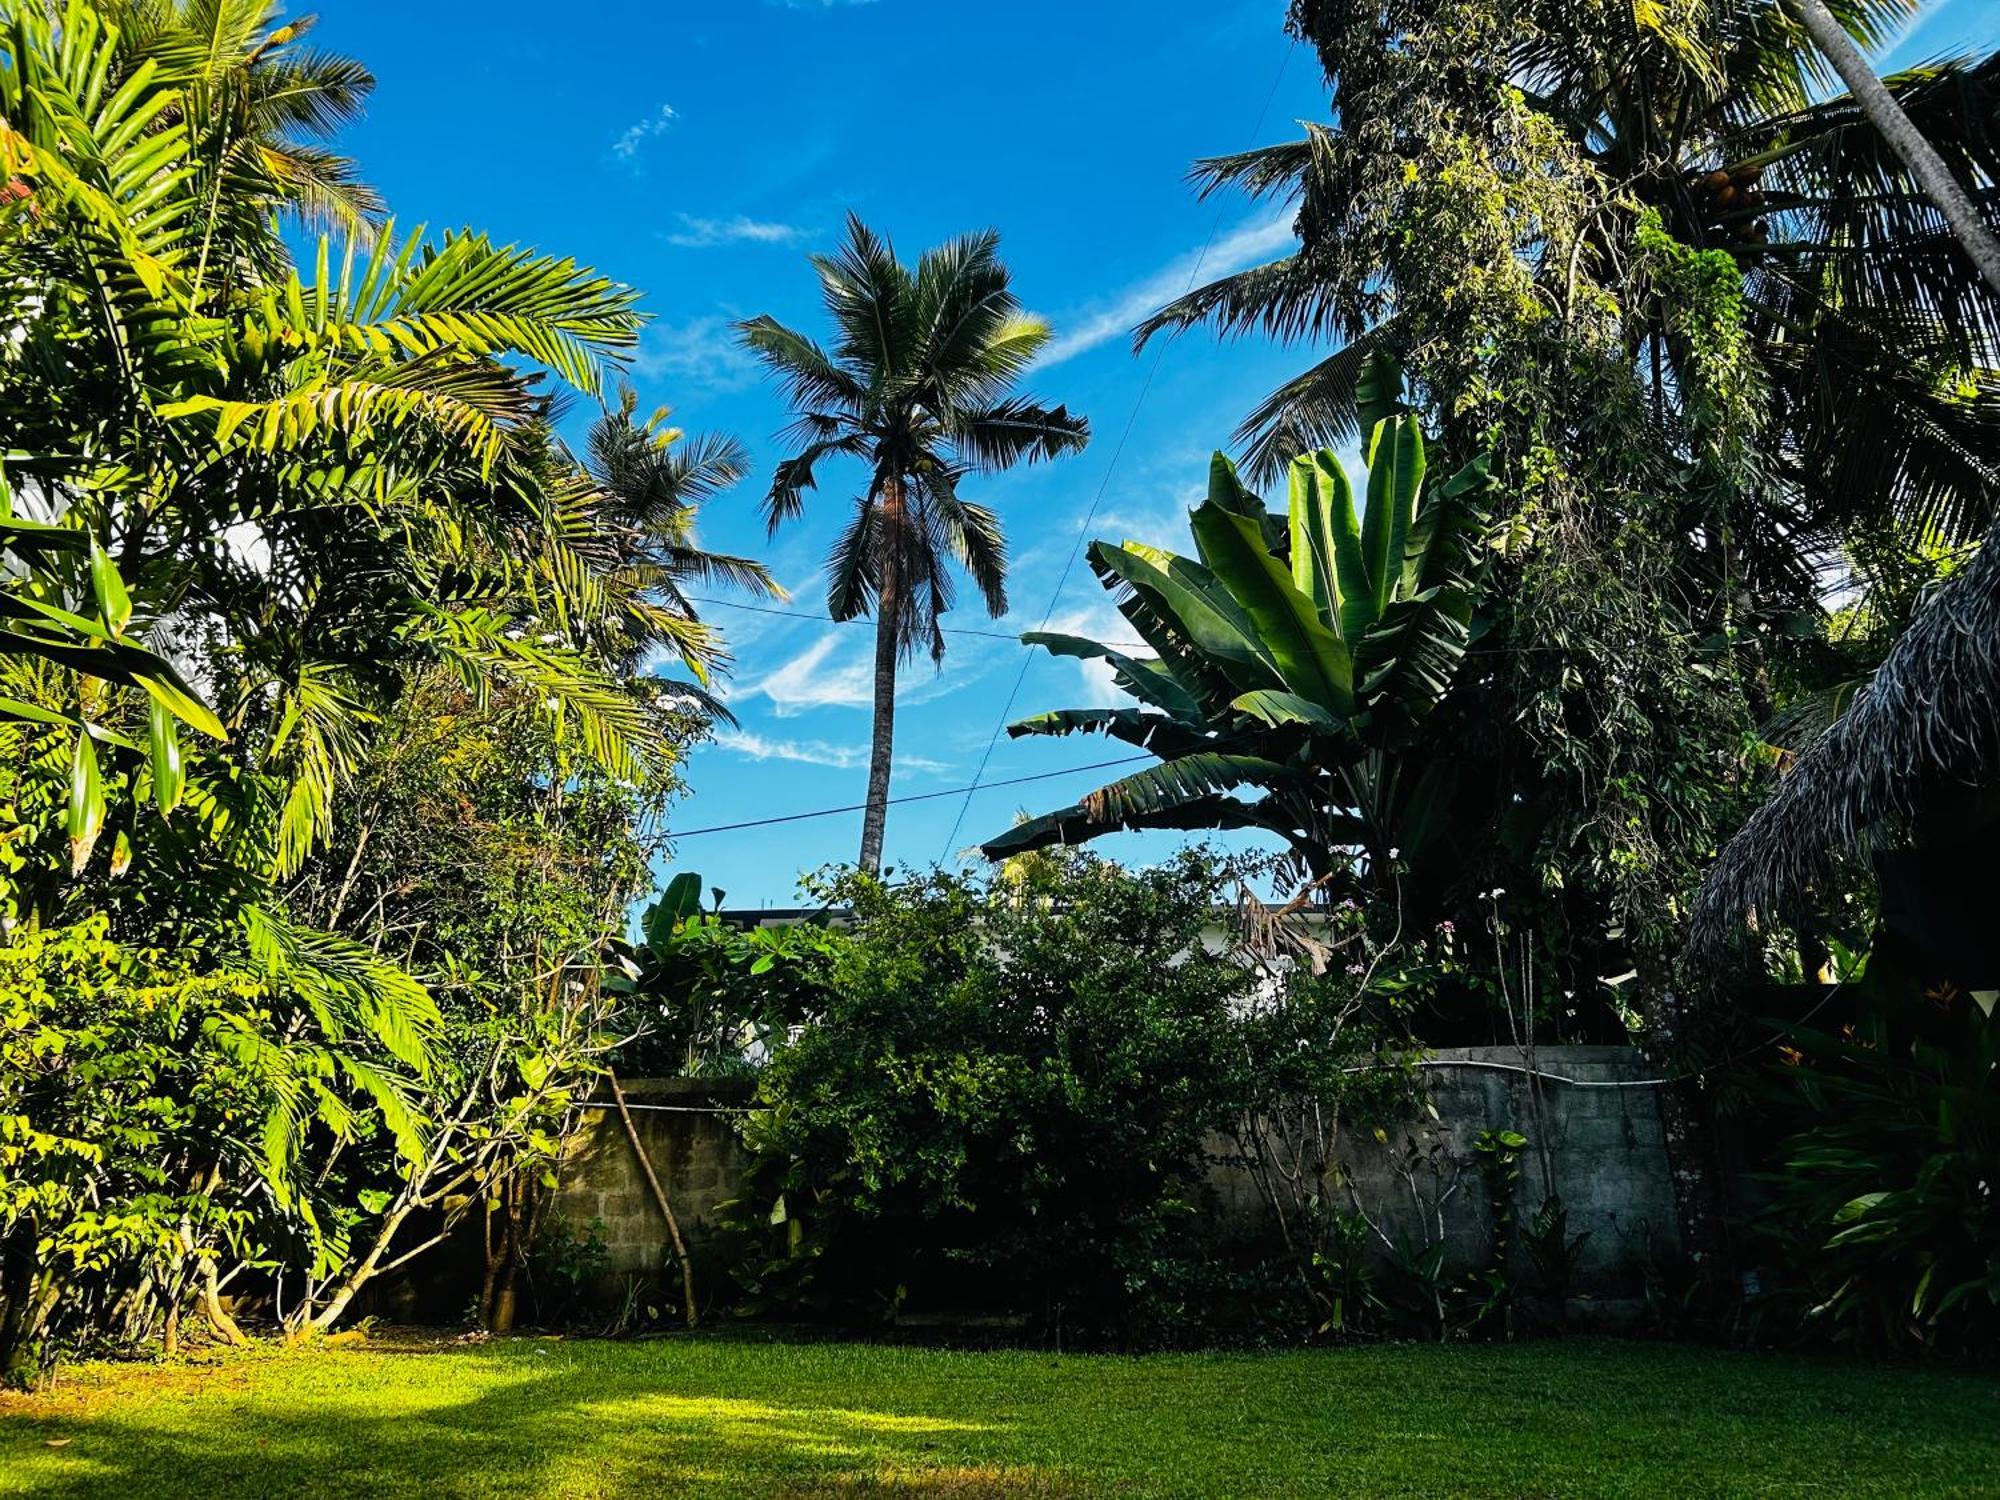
[(1929, 721)]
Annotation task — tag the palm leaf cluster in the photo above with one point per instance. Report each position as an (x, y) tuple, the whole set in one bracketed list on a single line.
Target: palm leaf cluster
[(648, 483), (1296, 658), (262, 108), (292, 483)]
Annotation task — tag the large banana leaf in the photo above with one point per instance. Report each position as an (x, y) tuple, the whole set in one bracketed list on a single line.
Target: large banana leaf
[(1183, 598), (1409, 657), (1152, 732), (1311, 659), (1395, 477), (1150, 681), (1444, 537), (1076, 825), (1182, 780), (1278, 709), (1325, 533)]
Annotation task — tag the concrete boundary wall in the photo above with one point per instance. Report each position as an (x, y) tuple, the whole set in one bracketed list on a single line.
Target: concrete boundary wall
[(688, 1127), (1601, 1129), (1599, 1122)]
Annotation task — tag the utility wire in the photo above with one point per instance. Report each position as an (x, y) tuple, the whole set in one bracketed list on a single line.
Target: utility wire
[(1083, 532), (952, 791), (1001, 635), (800, 614)]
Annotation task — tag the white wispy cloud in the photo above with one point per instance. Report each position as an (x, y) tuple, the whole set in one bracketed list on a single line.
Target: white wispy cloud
[(1159, 522), (1257, 240), (807, 681), (698, 233), (700, 354), (626, 147), (838, 671), (816, 4), (755, 746)]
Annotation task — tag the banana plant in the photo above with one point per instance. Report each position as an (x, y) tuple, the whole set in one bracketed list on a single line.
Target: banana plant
[(1295, 659)]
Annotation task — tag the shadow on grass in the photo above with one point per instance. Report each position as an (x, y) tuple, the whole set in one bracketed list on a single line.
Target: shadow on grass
[(498, 1423), (725, 1417)]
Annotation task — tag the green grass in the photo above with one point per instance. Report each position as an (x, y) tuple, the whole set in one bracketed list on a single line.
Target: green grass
[(720, 1417)]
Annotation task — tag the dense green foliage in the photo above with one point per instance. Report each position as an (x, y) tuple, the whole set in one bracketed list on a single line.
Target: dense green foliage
[(1006, 1099), (296, 992), (1883, 1222), (573, 1418), (708, 996), (1724, 356), (1009, 1095)]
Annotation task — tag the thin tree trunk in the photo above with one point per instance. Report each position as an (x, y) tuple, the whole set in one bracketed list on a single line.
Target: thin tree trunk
[(211, 1304), (1903, 137), (659, 1197), (500, 1315), (888, 621)]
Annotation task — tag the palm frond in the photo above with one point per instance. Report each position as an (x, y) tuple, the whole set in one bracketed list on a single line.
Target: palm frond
[(872, 301), (348, 987), (1287, 299), (1314, 410), (806, 373), (1929, 721), (1016, 429)]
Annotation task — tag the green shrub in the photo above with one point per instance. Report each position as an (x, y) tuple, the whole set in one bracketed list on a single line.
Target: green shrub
[(1885, 1216), (1009, 1105)]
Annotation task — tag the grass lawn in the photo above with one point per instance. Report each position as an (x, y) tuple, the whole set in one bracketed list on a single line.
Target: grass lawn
[(718, 1417)]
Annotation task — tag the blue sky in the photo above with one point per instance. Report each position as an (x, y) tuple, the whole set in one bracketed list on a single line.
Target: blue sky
[(700, 149)]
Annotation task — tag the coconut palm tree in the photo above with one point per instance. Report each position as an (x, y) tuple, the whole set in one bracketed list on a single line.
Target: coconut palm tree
[(1896, 128), (918, 387), (649, 483)]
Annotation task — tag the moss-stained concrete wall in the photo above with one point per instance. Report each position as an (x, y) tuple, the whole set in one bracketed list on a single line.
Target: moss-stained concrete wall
[(1600, 1123), (688, 1127), (1602, 1135)]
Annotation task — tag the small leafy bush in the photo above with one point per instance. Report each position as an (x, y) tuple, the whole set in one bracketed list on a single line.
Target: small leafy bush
[(710, 998)]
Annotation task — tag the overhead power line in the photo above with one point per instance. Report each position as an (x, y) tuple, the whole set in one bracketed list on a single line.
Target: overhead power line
[(800, 614), (1001, 635), (953, 791)]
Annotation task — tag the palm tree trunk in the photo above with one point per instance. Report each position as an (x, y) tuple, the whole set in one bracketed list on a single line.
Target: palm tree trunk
[(1685, 1126), (1903, 137), (888, 621)]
